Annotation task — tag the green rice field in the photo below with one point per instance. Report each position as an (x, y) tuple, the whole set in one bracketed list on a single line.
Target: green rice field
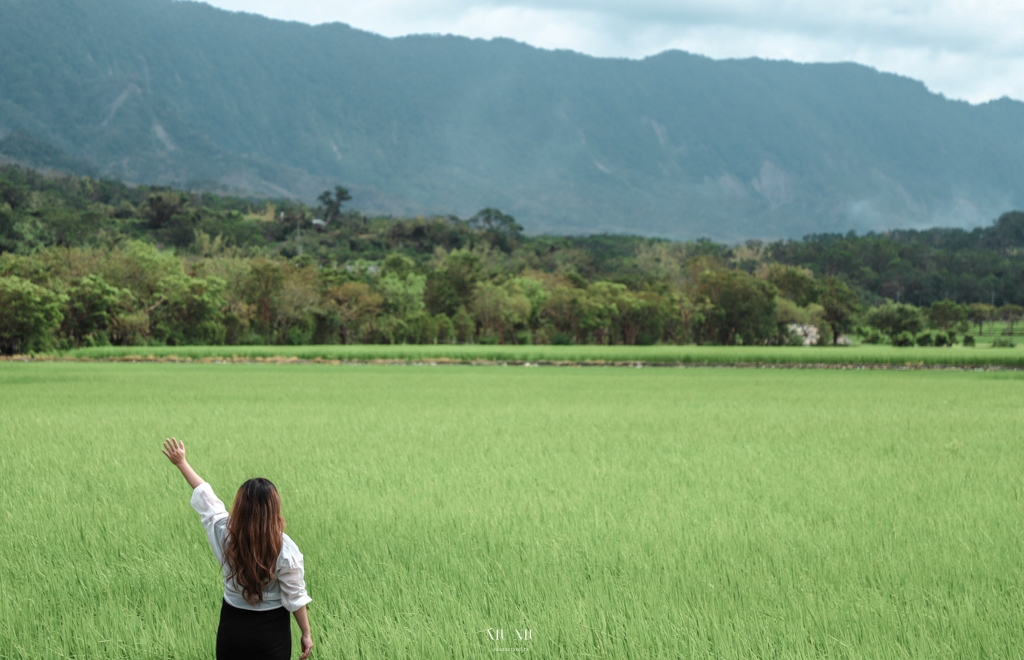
[(612, 513), (866, 355)]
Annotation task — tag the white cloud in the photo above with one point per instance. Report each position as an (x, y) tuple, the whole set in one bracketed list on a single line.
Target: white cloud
[(968, 49)]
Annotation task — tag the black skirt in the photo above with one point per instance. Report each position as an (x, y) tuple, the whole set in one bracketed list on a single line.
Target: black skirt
[(251, 635)]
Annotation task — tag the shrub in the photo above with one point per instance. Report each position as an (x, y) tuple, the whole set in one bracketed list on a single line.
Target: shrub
[(896, 318), (561, 338), (943, 339), (488, 339), (968, 340), (445, 329), (1002, 342), (873, 337), (903, 339), (924, 339)]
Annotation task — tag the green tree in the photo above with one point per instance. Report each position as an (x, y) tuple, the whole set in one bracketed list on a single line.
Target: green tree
[(445, 329), (464, 326), (498, 311), (642, 319), (451, 284), (980, 313), (398, 264), (894, 319), (91, 307), (357, 306), (840, 303), (262, 288), (565, 309), (421, 328), (403, 296), (1011, 314), (692, 315), (330, 205), (192, 312), (946, 314), (171, 217), (535, 292), (29, 315), (743, 306), (501, 230), (69, 227), (8, 234), (796, 284), (606, 302)]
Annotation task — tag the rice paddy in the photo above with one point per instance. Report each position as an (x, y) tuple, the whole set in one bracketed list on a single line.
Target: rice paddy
[(612, 513), (866, 355)]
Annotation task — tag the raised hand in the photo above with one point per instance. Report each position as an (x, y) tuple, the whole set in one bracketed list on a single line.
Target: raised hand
[(174, 450)]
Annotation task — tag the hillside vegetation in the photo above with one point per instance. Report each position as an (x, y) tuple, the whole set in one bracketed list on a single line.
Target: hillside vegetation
[(675, 145), (86, 262)]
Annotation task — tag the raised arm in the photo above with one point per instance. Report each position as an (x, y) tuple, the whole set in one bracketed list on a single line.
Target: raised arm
[(174, 450)]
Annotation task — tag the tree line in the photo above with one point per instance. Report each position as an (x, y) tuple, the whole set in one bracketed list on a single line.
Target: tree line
[(95, 262)]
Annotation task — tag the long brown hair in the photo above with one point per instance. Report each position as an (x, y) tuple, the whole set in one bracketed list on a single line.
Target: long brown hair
[(254, 538)]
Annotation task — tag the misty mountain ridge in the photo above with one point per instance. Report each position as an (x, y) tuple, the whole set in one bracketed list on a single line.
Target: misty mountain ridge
[(674, 145)]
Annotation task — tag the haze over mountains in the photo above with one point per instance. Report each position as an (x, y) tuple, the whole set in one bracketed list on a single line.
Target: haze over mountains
[(676, 145)]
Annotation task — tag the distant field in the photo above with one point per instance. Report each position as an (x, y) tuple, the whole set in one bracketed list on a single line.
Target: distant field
[(694, 355), (615, 513), (996, 329)]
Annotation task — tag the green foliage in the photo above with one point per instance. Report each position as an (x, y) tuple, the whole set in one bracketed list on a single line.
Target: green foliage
[(903, 339), (465, 327), (946, 314), (895, 319), (1003, 342), (30, 315), (445, 329), (152, 266), (920, 267), (500, 311), (191, 312), (403, 295), (741, 306), (980, 313), (499, 229), (873, 337), (968, 340), (451, 284), (330, 203), (1011, 314), (421, 328), (93, 309), (840, 304), (796, 284)]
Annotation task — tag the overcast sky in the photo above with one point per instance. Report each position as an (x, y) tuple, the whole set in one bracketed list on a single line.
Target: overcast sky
[(966, 49)]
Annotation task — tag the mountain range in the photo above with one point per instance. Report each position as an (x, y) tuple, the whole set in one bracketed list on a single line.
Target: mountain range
[(675, 145)]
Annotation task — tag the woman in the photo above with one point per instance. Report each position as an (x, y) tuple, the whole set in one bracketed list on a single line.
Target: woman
[(263, 573)]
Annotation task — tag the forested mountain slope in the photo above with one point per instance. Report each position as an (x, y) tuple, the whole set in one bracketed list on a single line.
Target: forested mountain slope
[(676, 145)]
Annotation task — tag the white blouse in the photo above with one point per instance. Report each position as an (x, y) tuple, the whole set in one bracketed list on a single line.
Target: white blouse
[(288, 590)]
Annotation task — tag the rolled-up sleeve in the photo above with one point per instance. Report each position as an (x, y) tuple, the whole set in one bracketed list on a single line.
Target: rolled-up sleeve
[(291, 576), (212, 515)]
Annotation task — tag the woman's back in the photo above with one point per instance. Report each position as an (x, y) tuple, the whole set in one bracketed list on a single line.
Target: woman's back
[(287, 590), (263, 575)]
